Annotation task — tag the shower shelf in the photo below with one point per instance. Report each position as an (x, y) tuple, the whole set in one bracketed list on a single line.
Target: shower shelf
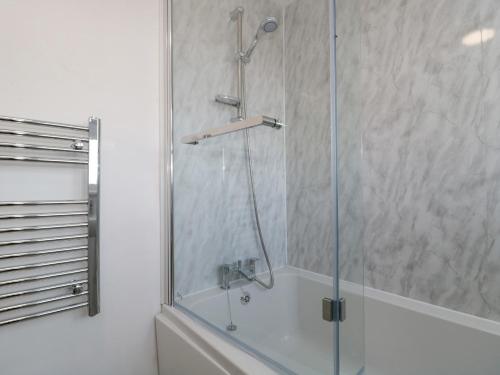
[(251, 122), (67, 262)]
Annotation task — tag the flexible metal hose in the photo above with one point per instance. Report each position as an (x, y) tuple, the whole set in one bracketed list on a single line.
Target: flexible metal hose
[(251, 182)]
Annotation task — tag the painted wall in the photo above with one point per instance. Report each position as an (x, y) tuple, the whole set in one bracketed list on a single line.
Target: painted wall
[(213, 218), (62, 61)]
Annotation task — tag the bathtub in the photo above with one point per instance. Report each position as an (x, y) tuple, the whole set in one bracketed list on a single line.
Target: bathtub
[(401, 336)]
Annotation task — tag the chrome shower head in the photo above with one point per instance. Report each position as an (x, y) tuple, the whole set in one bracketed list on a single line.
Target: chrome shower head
[(268, 25)]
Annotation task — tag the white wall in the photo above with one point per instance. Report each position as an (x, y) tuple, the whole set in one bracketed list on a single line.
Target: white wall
[(63, 60)]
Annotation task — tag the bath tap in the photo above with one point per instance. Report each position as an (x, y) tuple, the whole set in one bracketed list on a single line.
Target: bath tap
[(239, 270), (227, 274), (247, 269)]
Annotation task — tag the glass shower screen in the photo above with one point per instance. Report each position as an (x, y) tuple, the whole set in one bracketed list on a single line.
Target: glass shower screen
[(261, 167)]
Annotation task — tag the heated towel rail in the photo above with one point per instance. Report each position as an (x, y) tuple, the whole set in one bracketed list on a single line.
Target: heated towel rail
[(49, 249)]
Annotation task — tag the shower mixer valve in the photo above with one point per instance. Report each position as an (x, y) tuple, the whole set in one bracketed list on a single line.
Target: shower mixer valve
[(239, 270)]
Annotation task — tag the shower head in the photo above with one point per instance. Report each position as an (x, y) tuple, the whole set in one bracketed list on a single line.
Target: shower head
[(268, 25)]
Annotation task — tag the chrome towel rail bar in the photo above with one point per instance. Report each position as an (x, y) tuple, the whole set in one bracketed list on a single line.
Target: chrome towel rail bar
[(43, 289), (42, 160), (41, 203), (42, 277), (42, 252), (43, 227), (93, 216), (41, 135), (44, 148), (43, 123), (41, 301), (79, 269), (46, 239), (44, 264), (42, 214), (43, 313)]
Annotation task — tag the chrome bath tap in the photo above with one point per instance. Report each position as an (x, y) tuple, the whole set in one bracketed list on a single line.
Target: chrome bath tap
[(239, 270)]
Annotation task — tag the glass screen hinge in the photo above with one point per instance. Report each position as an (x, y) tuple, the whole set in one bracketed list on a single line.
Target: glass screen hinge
[(334, 310)]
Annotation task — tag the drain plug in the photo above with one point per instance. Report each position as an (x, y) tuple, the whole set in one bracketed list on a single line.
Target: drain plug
[(245, 298)]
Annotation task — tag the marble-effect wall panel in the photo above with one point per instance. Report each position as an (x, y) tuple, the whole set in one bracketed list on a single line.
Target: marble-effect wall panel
[(427, 171), (489, 135), (419, 150), (349, 146), (310, 197), (213, 222), (310, 227), (418, 146)]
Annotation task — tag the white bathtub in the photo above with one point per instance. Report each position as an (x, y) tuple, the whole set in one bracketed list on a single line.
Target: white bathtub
[(403, 337)]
